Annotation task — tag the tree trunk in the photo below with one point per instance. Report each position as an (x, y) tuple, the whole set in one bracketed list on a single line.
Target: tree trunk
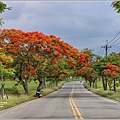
[(103, 81), (109, 85), (93, 84), (114, 85), (45, 82), (57, 82), (91, 80), (96, 82), (2, 95), (90, 83), (40, 83), (24, 84), (86, 80), (2, 85), (106, 83)]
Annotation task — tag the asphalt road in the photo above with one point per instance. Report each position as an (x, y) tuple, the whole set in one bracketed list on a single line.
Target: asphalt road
[(73, 101)]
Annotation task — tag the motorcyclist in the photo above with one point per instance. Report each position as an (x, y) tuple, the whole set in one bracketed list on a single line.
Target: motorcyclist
[(38, 93)]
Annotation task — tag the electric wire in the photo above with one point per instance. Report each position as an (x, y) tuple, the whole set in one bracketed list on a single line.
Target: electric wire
[(111, 43), (114, 37), (115, 41), (116, 44)]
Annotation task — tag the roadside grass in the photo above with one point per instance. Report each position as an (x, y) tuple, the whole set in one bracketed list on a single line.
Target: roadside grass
[(108, 93), (10, 87), (16, 95)]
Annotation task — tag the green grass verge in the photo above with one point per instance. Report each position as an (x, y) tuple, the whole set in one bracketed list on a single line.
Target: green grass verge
[(99, 90), (16, 94)]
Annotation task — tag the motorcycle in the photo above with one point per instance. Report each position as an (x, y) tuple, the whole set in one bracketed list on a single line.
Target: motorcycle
[(39, 94)]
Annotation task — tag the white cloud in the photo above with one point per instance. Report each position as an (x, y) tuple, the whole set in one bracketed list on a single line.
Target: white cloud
[(81, 24)]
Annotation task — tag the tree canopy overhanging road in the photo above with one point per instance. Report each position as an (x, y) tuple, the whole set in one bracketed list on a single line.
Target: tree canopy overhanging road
[(34, 56), (73, 101)]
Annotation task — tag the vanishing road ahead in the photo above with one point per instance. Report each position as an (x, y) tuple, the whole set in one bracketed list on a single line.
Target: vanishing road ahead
[(73, 101)]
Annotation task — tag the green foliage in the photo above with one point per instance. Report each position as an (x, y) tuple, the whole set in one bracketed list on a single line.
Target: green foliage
[(2, 9), (9, 72), (116, 6), (113, 58), (6, 71)]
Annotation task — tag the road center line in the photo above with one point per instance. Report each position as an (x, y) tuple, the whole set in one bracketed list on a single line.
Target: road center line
[(75, 110)]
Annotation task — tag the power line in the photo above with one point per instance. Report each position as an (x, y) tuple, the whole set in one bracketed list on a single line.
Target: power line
[(115, 41), (114, 37), (101, 51), (116, 44), (107, 48)]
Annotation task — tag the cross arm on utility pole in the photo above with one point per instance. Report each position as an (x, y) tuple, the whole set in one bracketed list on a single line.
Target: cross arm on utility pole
[(106, 48)]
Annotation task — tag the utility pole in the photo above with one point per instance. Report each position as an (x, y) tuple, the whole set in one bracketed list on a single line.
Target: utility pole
[(106, 48)]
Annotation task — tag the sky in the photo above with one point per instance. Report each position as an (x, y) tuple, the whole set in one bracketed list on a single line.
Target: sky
[(82, 24)]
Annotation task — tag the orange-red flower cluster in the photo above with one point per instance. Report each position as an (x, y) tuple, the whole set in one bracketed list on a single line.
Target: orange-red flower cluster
[(84, 59), (112, 69)]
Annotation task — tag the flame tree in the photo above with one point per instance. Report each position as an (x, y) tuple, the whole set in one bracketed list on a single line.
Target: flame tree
[(37, 55)]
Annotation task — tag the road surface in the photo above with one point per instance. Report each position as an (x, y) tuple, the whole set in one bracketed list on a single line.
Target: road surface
[(73, 101)]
